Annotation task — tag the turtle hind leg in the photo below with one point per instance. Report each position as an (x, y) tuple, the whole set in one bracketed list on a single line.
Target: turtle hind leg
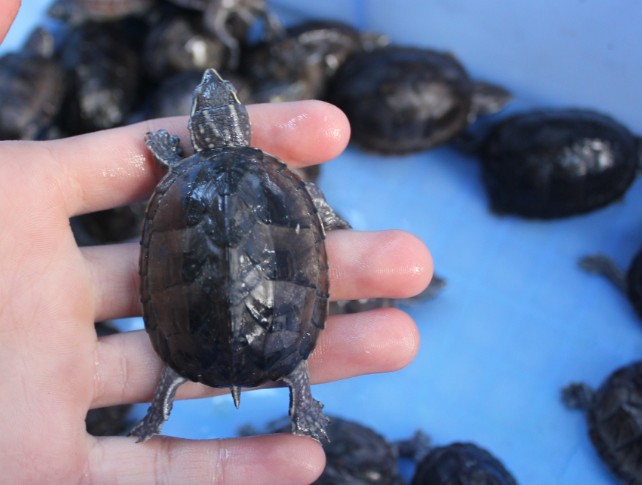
[(161, 406), (306, 413), (164, 147)]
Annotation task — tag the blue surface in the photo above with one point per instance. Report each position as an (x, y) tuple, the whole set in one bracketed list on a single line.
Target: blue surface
[(518, 320)]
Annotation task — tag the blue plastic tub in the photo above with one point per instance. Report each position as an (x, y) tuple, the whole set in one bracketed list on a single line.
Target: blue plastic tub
[(518, 319)]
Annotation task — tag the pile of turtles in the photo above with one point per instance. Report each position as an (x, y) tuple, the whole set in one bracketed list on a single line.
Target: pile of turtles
[(98, 64)]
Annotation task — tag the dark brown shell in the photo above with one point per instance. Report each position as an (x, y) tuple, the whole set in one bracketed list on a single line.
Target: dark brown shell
[(234, 275), (402, 99), (615, 422), (557, 163)]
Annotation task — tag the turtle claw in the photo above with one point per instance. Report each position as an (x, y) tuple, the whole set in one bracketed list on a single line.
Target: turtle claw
[(310, 421), (164, 147)]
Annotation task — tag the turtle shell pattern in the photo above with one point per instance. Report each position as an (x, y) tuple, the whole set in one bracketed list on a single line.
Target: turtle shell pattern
[(234, 274), (615, 422)]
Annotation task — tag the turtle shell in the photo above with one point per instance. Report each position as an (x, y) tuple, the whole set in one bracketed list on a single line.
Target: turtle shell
[(557, 163), (32, 93), (234, 274), (461, 463), (402, 99), (615, 422)]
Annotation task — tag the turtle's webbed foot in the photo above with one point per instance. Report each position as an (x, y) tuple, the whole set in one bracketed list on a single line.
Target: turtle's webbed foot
[(306, 413), (308, 419), (164, 147)]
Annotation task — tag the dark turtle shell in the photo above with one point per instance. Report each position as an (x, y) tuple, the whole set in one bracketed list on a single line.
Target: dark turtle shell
[(298, 64), (105, 74), (355, 454), (402, 99), (234, 275), (33, 89), (461, 464), (614, 415), (557, 163)]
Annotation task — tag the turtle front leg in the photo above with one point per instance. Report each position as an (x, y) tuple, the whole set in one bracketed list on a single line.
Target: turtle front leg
[(330, 219), (160, 407), (164, 147), (306, 413)]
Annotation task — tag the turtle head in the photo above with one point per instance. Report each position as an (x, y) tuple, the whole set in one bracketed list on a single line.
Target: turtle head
[(218, 118)]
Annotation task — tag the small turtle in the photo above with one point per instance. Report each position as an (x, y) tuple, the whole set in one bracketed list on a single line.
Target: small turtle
[(557, 162), (461, 463), (614, 415), (233, 266), (355, 454), (78, 11), (105, 75), (33, 88), (298, 64), (630, 283), (178, 43), (232, 20), (406, 99)]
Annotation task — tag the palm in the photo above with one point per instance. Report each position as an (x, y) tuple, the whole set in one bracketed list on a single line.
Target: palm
[(52, 292)]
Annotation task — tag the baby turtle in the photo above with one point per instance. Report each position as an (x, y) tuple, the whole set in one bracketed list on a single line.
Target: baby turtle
[(461, 463), (179, 42), (355, 454), (614, 415), (231, 21), (233, 266), (407, 99), (557, 162), (33, 88), (630, 283), (103, 63), (298, 64)]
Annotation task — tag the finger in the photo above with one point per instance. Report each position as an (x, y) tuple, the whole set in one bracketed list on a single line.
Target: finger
[(376, 341), (283, 459), (113, 167), (8, 12), (392, 264)]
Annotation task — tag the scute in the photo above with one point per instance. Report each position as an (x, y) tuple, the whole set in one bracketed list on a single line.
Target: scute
[(233, 268)]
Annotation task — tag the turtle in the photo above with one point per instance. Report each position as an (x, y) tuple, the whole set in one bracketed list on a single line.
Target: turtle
[(233, 267), (103, 65), (231, 21), (461, 463), (614, 416), (179, 42), (403, 99), (557, 162), (630, 283), (79, 11), (298, 64), (33, 88), (356, 454)]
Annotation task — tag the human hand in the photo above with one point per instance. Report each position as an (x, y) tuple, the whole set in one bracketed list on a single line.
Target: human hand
[(52, 292)]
